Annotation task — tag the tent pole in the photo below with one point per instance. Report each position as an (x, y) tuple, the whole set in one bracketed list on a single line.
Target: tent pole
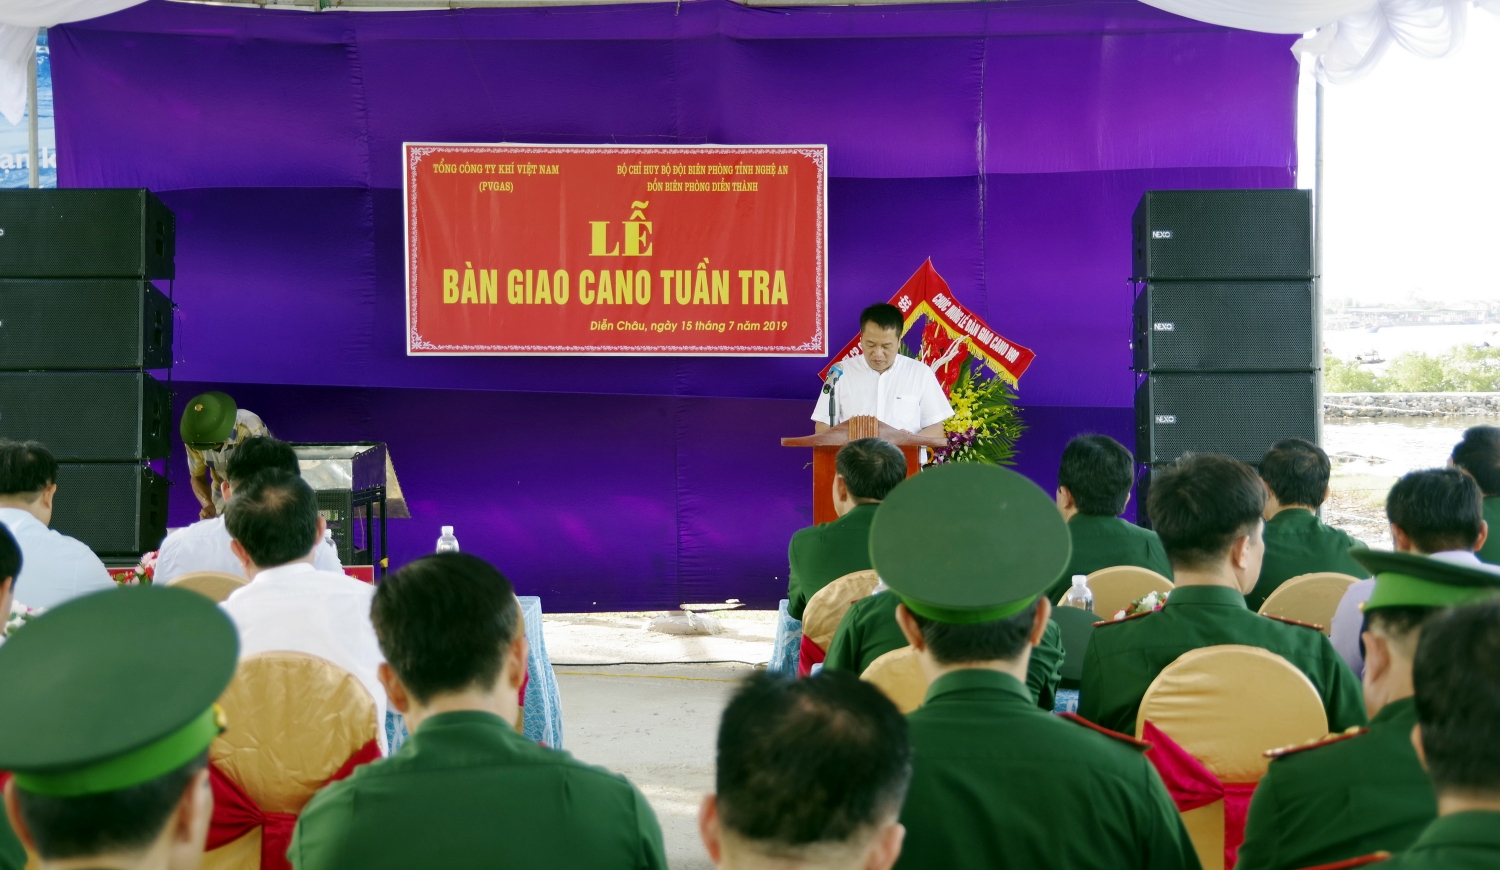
[(31, 131), (1318, 185)]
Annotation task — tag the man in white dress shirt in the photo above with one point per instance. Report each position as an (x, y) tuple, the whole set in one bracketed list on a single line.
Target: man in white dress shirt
[(57, 568), (289, 605), (204, 545), (897, 390), (1437, 512)]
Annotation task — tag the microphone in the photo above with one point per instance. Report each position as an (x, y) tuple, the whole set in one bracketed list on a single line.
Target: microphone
[(833, 378)]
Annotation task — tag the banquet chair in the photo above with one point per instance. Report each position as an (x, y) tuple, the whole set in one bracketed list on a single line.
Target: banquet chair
[(1210, 717), (900, 677), (825, 610), (293, 723), (214, 585), (1117, 588), (1309, 598)]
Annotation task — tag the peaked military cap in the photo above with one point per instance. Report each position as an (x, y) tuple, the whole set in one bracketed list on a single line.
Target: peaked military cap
[(113, 689), (968, 543), (208, 420), (1410, 580)]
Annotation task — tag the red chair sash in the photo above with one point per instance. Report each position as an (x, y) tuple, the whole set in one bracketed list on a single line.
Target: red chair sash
[(236, 815), (1192, 785), (809, 655)]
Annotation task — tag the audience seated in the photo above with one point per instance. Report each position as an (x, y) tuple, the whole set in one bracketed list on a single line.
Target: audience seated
[(1437, 512), (1479, 456), (996, 782), (466, 790), (204, 545), (869, 630), (289, 605), (1093, 487), (1364, 792), (10, 568), (58, 568), (1295, 473), (110, 764), (1458, 703), (867, 469), (810, 775), (1207, 510)]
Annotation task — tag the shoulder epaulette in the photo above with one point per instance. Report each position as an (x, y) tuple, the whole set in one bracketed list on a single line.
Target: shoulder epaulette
[(1312, 625), (1126, 619), (1125, 738), (1282, 752), (1372, 858)]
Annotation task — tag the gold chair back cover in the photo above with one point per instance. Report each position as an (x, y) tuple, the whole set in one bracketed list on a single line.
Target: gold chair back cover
[(826, 609), (1310, 598), (293, 720), (214, 585), (1116, 588), (1226, 705), (898, 674)]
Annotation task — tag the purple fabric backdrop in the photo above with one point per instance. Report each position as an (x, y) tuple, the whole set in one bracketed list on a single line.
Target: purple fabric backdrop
[(1008, 141)]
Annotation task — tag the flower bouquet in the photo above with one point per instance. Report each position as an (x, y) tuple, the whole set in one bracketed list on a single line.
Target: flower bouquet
[(985, 422), (1145, 604), (19, 615), (141, 575)]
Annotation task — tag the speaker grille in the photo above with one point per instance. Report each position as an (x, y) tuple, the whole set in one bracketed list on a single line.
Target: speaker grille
[(1223, 234), (1237, 415), (84, 233), (88, 416), (1224, 326), (117, 509), (84, 324)]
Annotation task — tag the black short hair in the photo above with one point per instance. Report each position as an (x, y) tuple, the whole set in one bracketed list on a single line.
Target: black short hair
[(1479, 455), (274, 516), (1438, 508), (1200, 504), (810, 761), (871, 467), (996, 640), (884, 315), (444, 622), (126, 820), (1457, 678), (258, 453), (26, 468), (1399, 622), (1297, 472), (1098, 471), (10, 559)]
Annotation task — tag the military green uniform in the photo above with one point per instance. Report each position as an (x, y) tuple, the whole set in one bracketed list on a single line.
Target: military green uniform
[(12, 853), (1297, 542), (1345, 797), (819, 555), (1104, 542), (467, 791), (869, 631), (1124, 657), (1490, 552), (997, 782), (1461, 841)]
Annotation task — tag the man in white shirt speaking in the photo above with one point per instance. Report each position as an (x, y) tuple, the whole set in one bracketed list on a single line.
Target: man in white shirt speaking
[(897, 390), (204, 545), (55, 568), (289, 605)]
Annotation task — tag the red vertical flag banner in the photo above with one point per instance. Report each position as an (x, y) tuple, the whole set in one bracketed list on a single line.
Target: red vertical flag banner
[(542, 249), (925, 293)]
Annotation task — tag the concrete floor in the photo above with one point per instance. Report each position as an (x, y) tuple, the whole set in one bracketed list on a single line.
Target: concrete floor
[(655, 724)]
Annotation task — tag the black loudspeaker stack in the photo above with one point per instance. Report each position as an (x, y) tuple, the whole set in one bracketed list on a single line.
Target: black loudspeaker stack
[(84, 336), (1225, 324)]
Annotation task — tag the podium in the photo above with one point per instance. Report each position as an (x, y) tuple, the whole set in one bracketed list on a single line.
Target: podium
[(826, 446)]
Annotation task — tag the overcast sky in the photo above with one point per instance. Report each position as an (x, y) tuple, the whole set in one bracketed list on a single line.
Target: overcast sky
[(1412, 197)]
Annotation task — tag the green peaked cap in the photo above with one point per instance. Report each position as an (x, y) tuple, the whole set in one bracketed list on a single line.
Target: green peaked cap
[(967, 543), (1410, 580), (208, 420), (113, 689)]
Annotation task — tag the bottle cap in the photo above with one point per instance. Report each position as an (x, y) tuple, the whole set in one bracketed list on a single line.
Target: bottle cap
[(447, 530), (1080, 579)]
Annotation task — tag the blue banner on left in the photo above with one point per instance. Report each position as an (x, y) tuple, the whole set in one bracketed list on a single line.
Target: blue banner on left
[(15, 161)]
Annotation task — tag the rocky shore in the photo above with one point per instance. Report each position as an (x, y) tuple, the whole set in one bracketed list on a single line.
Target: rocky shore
[(1393, 405)]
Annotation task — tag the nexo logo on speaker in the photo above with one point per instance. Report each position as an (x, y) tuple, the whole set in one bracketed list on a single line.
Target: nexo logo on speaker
[(1165, 419), (1164, 327), (1161, 234)]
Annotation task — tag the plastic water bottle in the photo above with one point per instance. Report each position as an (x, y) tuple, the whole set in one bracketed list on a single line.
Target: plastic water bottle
[(1079, 596), (449, 544)]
